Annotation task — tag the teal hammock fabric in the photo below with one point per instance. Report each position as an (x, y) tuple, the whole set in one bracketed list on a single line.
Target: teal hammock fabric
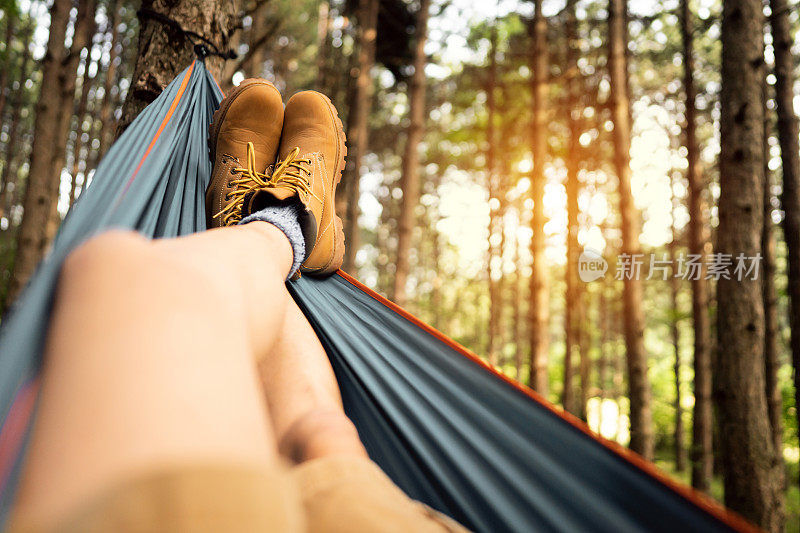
[(447, 429)]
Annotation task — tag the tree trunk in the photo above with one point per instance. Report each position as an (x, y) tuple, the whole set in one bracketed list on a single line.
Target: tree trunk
[(254, 66), (47, 148), (771, 332), (409, 180), (9, 175), (5, 89), (324, 47), (84, 30), (491, 188), (538, 312), (603, 324), (164, 51), (739, 387), (437, 294), (702, 423), (680, 451), (107, 125), (638, 384), (517, 296), (357, 128), (619, 364), (87, 82), (573, 309), (585, 361), (790, 166)]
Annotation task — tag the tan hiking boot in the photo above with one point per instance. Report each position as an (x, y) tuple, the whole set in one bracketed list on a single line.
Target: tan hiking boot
[(310, 164), (243, 142)]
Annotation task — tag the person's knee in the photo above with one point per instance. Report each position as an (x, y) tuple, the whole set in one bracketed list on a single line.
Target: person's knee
[(118, 267), (321, 433), (104, 252)]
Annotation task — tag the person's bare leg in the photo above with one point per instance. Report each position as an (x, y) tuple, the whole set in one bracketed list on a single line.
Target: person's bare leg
[(150, 362), (300, 388), (340, 488)]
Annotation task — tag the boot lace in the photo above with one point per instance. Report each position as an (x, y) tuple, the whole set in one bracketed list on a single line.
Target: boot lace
[(295, 173), (292, 173)]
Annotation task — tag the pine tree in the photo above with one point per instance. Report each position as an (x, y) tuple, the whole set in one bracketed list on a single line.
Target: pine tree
[(357, 128), (573, 311), (538, 311), (771, 333), (491, 189), (10, 19), (642, 440), (674, 289), (739, 385), (790, 167), (8, 178), (49, 138), (324, 46), (410, 173), (87, 83), (702, 434), (107, 125)]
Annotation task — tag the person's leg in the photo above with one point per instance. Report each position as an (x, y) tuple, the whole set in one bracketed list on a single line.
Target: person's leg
[(150, 362), (341, 488), (300, 388)]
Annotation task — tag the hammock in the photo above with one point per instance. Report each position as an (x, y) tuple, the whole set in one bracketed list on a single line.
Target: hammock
[(449, 430)]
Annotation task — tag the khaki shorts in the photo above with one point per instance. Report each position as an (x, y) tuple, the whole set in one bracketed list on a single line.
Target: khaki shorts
[(332, 494)]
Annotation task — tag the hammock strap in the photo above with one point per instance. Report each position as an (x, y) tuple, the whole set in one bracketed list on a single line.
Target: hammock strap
[(204, 48)]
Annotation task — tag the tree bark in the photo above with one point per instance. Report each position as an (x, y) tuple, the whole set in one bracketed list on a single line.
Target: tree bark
[(702, 422), (604, 324), (517, 297), (790, 166), (585, 362), (357, 127), (107, 125), (437, 294), (87, 82), (324, 46), (674, 286), (5, 89), (619, 364), (538, 312), (49, 141), (164, 51), (771, 332), (84, 30), (739, 387), (254, 66), (11, 148), (619, 101), (409, 180), (491, 189), (573, 319)]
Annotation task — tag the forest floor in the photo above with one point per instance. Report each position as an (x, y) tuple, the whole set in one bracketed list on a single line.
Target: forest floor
[(667, 465)]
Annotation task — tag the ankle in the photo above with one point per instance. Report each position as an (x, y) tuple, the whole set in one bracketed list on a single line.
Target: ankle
[(276, 241), (286, 220)]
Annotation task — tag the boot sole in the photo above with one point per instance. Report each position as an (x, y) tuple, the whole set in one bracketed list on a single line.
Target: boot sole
[(219, 114), (338, 249)]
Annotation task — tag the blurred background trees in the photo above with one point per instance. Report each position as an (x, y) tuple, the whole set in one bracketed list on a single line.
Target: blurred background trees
[(494, 148)]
